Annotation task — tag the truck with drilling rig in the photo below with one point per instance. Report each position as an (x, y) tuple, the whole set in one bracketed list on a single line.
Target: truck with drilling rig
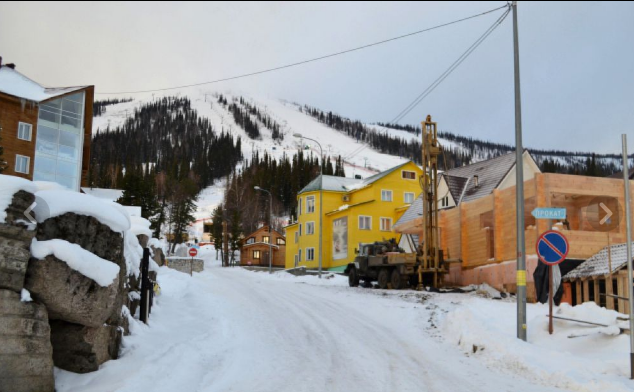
[(387, 264)]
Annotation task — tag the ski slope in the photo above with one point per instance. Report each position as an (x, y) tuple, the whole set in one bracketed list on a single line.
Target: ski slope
[(359, 158), (228, 329)]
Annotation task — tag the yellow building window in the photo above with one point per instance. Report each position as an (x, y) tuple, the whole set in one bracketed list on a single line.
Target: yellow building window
[(310, 228), (310, 204), (386, 195), (365, 222), (386, 224)]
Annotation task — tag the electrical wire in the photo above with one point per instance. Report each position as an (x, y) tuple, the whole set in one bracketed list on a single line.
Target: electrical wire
[(443, 76), (309, 60), (451, 68)]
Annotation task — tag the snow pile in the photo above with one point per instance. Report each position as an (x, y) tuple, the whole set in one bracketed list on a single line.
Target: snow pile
[(52, 203), (591, 361), (49, 186), (25, 296), (140, 226), (483, 290), (9, 186), (102, 271)]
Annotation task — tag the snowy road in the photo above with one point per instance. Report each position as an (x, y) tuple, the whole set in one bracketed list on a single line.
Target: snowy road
[(235, 330)]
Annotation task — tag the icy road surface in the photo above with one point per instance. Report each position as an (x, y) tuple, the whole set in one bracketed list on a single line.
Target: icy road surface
[(228, 329)]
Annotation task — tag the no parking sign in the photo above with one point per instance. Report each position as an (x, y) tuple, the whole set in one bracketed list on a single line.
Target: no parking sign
[(552, 247)]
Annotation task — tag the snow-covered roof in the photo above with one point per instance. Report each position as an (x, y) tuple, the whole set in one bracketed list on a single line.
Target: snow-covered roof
[(102, 193), (344, 184), (15, 84), (598, 265)]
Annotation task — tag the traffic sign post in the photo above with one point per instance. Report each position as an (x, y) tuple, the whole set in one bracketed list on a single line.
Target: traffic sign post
[(552, 248), (192, 252)]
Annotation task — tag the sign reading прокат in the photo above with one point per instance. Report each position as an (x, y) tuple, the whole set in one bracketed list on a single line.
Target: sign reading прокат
[(549, 213)]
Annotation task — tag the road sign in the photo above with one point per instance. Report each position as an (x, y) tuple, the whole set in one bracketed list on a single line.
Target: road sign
[(549, 213), (552, 247), (193, 252)]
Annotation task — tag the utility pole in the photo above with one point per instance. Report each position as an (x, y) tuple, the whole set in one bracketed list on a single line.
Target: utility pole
[(257, 188), (628, 227), (519, 187)]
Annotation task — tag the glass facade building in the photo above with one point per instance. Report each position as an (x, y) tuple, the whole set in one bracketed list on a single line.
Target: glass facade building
[(59, 141)]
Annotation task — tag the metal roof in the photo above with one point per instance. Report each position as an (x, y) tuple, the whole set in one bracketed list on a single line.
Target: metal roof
[(15, 84), (461, 184), (344, 184), (598, 265), (490, 174)]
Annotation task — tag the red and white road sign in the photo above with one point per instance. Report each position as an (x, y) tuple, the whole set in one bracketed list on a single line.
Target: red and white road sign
[(193, 252)]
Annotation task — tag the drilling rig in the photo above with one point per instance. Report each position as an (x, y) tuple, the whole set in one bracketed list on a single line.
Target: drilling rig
[(430, 247)]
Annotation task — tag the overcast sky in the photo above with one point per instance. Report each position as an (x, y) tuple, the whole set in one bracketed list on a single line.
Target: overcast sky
[(577, 59)]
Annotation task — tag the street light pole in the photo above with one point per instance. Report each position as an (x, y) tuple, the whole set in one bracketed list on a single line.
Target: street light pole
[(321, 195), (257, 188), (628, 229)]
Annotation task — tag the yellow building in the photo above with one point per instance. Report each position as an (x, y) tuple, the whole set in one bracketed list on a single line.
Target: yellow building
[(354, 211)]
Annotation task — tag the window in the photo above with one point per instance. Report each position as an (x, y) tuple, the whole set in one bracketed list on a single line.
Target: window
[(25, 131), (408, 175), (444, 202), (409, 197), (296, 236), (310, 254), (296, 260), (386, 195), (300, 229), (365, 222), (22, 164), (251, 240), (386, 224), (299, 256), (300, 206), (310, 228), (310, 204), (266, 239), (280, 241), (59, 140), (256, 255)]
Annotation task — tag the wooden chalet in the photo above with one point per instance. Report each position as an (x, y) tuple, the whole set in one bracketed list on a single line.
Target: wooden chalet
[(257, 245)]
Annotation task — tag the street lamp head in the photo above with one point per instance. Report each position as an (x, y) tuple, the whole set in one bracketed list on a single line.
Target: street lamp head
[(297, 135)]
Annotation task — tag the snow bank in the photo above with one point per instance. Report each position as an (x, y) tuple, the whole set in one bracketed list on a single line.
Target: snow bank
[(576, 357), (102, 271), (140, 226), (52, 203), (9, 186)]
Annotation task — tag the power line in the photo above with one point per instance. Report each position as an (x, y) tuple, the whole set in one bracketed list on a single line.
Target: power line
[(312, 59), (449, 70), (443, 76)]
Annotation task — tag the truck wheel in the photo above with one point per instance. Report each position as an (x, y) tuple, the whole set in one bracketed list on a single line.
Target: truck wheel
[(383, 278), (353, 277), (397, 282)]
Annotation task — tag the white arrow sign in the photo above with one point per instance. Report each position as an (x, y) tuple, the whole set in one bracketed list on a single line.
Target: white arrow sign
[(608, 213), (27, 213)]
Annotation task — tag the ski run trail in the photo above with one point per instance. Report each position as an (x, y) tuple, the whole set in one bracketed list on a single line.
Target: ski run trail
[(229, 329)]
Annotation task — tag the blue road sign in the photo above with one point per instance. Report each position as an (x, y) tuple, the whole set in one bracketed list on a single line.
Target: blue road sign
[(549, 213), (552, 247)]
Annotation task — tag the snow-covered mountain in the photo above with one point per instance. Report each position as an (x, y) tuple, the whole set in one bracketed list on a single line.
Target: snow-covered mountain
[(291, 118)]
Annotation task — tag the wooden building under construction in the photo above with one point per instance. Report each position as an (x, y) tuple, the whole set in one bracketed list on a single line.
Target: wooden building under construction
[(477, 223)]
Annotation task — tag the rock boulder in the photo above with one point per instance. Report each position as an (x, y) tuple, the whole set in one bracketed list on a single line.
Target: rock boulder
[(70, 296), (26, 362), (82, 349)]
